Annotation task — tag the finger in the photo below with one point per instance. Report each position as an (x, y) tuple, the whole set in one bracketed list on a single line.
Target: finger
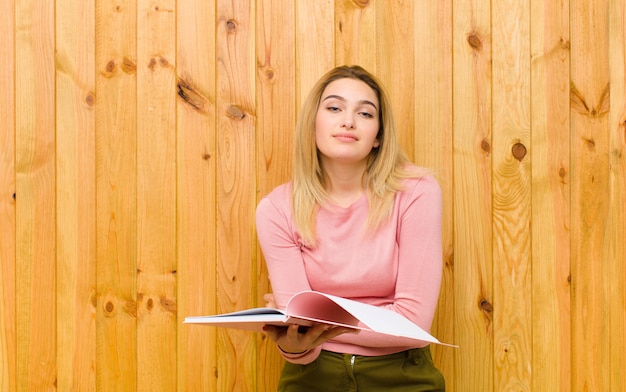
[(270, 301)]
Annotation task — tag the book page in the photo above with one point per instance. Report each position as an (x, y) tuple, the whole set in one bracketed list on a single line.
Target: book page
[(374, 318), (315, 306)]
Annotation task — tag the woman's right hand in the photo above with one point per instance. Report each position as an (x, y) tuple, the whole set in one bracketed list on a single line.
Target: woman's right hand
[(291, 340)]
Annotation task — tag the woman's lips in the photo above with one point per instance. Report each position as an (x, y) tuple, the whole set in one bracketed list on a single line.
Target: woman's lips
[(345, 137)]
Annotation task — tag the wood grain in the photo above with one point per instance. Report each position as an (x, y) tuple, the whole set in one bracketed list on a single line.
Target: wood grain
[(35, 218), (76, 196), (472, 141), (511, 195), (315, 44), (236, 196), (355, 28), (396, 64), (433, 127), (8, 376), (550, 196), (614, 247), (276, 97), (156, 195), (196, 201), (116, 196), (590, 104)]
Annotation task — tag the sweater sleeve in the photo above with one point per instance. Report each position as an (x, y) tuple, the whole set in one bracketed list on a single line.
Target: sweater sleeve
[(281, 249), (283, 258), (420, 254)]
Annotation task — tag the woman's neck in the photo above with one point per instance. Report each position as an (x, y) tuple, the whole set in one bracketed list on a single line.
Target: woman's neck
[(345, 183)]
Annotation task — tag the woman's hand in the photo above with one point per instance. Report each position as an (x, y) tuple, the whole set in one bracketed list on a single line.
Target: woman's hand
[(270, 302), (292, 341)]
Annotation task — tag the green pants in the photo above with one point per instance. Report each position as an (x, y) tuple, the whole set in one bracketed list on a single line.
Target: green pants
[(407, 371)]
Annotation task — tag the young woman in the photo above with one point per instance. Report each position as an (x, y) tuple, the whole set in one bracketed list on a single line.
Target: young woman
[(358, 221)]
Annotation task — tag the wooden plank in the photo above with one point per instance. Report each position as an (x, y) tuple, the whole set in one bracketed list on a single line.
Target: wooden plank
[(315, 44), (35, 201), (156, 196), (196, 201), (396, 64), (116, 196), (75, 194), (355, 26), (236, 193), (433, 148), (590, 103), (550, 196), (512, 178), (7, 199), (275, 133), (615, 249), (473, 274)]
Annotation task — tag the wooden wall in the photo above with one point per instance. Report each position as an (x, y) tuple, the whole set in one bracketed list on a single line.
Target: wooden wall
[(138, 136)]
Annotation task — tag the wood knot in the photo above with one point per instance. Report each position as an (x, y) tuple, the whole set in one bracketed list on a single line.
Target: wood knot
[(109, 69), (206, 156), (152, 64), (90, 99), (163, 62), (519, 151), (475, 42), (235, 112), (191, 96), (109, 307), (149, 304), (231, 26), (485, 146), (168, 305), (486, 306), (562, 172), (591, 144), (129, 66)]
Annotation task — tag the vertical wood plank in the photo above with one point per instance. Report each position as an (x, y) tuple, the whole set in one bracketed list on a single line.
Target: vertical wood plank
[(116, 191), (512, 195), (433, 148), (550, 196), (396, 57), (75, 193), (156, 195), (315, 44), (615, 249), (35, 196), (196, 201), (236, 195), (590, 104), (7, 198), (355, 26), (275, 129), (473, 270)]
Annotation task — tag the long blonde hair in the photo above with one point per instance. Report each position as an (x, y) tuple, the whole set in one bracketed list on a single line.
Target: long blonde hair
[(386, 166)]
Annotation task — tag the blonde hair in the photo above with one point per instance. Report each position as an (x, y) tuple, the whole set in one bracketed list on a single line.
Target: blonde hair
[(386, 167)]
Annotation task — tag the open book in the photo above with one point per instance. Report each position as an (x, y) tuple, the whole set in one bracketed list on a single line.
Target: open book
[(310, 307)]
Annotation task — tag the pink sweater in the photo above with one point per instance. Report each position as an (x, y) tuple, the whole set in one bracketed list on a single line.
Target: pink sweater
[(398, 267)]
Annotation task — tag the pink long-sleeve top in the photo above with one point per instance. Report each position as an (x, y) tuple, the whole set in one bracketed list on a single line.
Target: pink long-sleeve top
[(397, 267)]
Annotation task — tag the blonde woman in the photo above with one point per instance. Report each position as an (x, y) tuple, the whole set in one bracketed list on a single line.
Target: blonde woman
[(358, 220)]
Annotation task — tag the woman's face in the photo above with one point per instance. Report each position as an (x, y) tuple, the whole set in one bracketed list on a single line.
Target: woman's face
[(346, 123)]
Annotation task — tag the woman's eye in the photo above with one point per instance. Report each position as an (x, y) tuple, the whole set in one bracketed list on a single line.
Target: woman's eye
[(333, 108), (366, 115)]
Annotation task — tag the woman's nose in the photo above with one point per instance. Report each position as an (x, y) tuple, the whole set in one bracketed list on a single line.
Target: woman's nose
[(348, 121)]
